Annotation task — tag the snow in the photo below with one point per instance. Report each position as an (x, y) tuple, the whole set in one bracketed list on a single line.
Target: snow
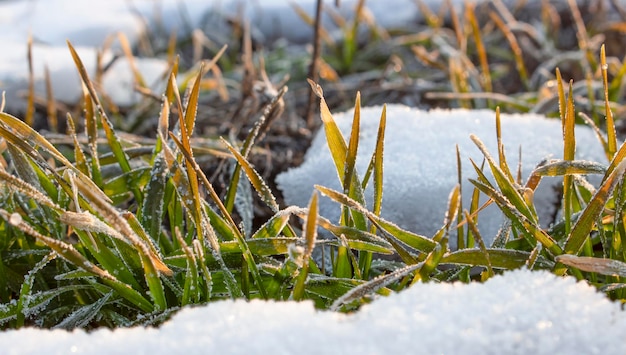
[(420, 167), (518, 313), (522, 312)]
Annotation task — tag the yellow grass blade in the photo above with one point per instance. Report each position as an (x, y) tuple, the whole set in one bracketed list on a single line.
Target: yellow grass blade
[(610, 123)]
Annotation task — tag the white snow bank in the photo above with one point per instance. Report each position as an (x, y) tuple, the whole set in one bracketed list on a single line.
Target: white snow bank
[(521, 312), (420, 162), (86, 24)]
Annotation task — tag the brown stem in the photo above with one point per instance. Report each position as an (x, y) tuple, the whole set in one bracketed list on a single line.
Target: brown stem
[(313, 72)]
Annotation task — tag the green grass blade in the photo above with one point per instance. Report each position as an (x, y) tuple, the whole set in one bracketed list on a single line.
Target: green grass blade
[(113, 140), (91, 128), (206, 274), (153, 204), (266, 195), (26, 289), (498, 258), (82, 316), (113, 219), (460, 231), (191, 288), (152, 209), (35, 305), (481, 243), (528, 227), (65, 250), (342, 266), (256, 180), (27, 189), (351, 185), (130, 294), (429, 264), (274, 226), (206, 183), (23, 137), (151, 274), (310, 235), (505, 184), (373, 285), (268, 111), (582, 228), (378, 164), (357, 237), (261, 246), (413, 240), (203, 224)]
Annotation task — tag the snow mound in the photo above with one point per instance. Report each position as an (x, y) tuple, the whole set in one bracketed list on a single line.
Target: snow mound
[(521, 312), (420, 167)]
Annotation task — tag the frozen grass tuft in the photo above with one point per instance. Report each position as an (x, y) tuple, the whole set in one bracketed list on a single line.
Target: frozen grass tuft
[(122, 230)]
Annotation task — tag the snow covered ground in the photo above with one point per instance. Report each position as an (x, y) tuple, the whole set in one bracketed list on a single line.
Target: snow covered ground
[(521, 312), (518, 313)]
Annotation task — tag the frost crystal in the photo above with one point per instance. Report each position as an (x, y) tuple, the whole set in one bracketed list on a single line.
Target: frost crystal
[(15, 219)]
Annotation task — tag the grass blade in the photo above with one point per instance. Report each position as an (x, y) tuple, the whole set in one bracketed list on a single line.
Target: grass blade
[(82, 316), (530, 229), (582, 228), (65, 250), (255, 179), (192, 288), (310, 235), (610, 123), (601, 266), (498, 258), (413, 240), (336, 142), (113, 140), (569, 167), (373, 286), (504, 183)]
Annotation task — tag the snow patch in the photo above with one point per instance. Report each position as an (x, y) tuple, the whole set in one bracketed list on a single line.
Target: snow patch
[(521, 312), (420, 167)]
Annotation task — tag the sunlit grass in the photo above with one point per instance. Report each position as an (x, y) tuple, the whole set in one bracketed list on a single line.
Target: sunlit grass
[(83, 247)]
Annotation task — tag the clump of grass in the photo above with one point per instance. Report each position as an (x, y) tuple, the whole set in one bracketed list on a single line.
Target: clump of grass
[(83, 247)]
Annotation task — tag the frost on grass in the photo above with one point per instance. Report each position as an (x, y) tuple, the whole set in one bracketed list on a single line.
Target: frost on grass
[(420, 162)]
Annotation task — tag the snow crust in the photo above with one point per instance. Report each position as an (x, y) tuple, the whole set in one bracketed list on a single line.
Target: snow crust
[(420, 167), (521, 312)]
